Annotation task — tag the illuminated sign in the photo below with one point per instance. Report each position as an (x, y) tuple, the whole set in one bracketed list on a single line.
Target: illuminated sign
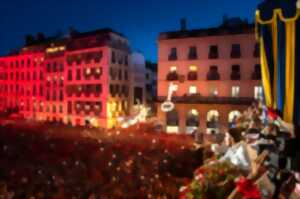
[(168, 106)]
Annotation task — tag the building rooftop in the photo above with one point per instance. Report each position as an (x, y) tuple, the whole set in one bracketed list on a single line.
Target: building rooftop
[(229, 26), (40, 42)]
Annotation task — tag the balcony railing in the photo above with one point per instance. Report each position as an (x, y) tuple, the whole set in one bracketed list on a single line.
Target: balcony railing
[(192, 76), (172, 76), (256, 76), (235, 76), (197, 99)]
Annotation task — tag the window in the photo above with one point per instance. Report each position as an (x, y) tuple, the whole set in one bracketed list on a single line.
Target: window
[(113, 57), (120, 74), (48, 68), (28, 76), (69, 75), (256, 75), (213, 52), (173, 54), (34, 76), (235, 72), (61, 95), (192, 90), (60, 109), (34, 90), (28, 63), (256, 52), (98, 73), (172, 75), (138, 95), (112, 90), (193, 53), (117, 89), (126, 60), (235, 51), (54, 67), (235, 91), (258, 92), (98, 88), (78, 75), (41, 90), (126, 75), (192, 75), (213, 73), (69, 107), (54, 96), (212, 119), (61, 67)]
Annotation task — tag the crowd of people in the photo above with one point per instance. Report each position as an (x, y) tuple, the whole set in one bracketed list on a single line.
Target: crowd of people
[(131, 163)]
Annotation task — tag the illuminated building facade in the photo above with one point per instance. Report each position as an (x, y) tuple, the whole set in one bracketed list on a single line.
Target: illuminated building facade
[(216, 70), (82, 79)]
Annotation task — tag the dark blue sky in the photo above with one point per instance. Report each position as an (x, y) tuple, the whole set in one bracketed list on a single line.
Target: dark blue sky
[(139, 20)]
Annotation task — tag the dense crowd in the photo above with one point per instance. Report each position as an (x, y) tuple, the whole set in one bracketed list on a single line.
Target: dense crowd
[(39, 162)]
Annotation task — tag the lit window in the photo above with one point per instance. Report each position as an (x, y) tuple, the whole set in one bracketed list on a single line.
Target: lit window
[(193, 68), (88, 71), (172, 129), (235, 91), (258, 92), (192, 90), (173, 69)]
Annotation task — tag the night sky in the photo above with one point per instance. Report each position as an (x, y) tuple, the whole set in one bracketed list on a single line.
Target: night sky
[(139, 20)]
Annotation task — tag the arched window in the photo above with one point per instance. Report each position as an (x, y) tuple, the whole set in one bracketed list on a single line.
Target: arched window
[(232, 118), (192, 118), (172, 122), (172, 118), (192, 121), (213, 119), (233, 115)]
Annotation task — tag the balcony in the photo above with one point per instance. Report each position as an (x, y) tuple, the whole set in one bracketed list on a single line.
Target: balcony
[(256, 75), (172, 76), (198, 99), (172, 57), (235, 76), (192, 76), (213, 76)]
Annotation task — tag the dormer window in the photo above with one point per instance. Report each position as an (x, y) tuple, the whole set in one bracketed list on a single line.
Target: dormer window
[(236, 51), (193, 53), (173, 54)]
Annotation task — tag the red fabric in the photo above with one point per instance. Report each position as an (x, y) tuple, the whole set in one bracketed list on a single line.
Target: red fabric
[(272, 113), (248, 189)]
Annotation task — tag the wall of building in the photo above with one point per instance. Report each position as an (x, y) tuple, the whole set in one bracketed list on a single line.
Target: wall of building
[(222, 90)]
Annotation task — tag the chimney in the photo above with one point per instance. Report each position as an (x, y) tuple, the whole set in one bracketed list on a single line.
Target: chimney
[(183, 24)]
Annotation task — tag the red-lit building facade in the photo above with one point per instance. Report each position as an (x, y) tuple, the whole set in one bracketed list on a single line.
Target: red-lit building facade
[(217, 72), (81, 79)]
